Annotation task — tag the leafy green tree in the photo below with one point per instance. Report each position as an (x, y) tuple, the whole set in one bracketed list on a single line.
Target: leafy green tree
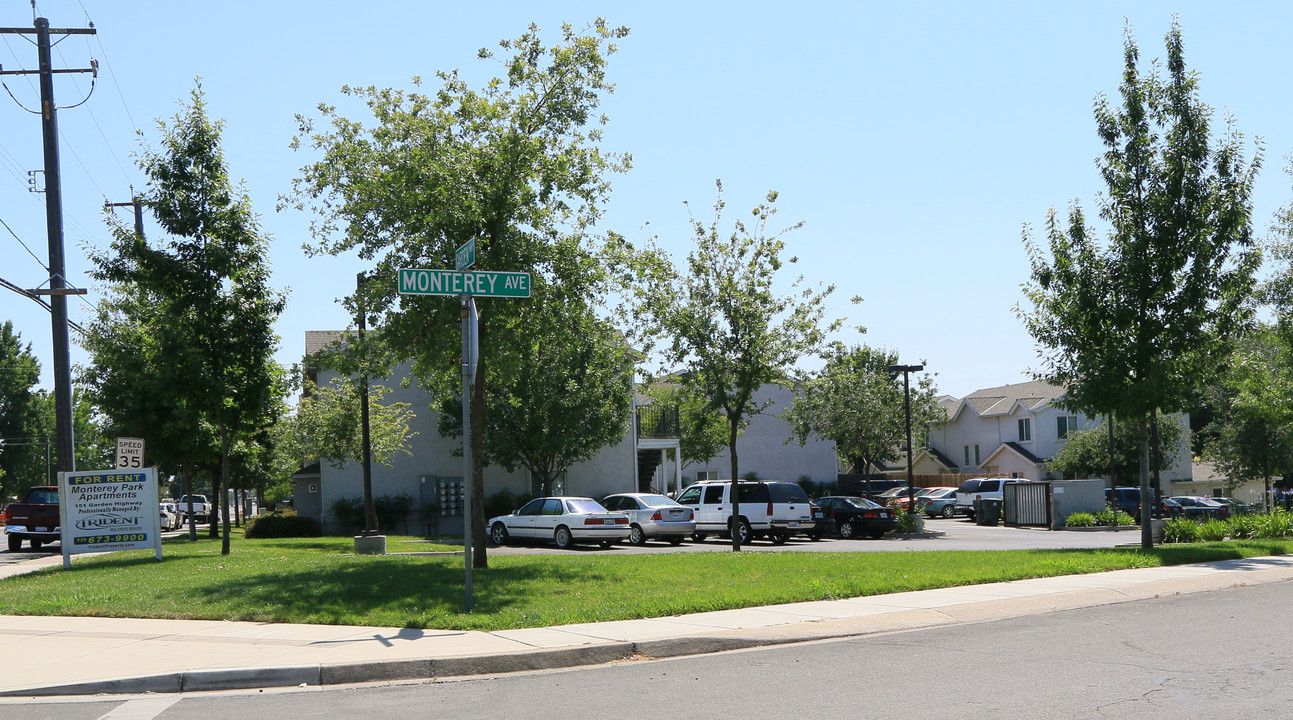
[(211, 279), (1086, 452), (22, 456), (1135, 325), (516, 166), (568, 395), (859, 404), (326, 426), (723, 322), (1250, 436)]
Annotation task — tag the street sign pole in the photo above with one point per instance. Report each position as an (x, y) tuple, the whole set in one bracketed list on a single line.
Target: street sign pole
[(468, 366), (466, 284)]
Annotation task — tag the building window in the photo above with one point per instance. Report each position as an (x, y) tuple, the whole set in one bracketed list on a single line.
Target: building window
[(976, 454), (1025, 429), (1064, 425), (706, 475), (967, 456)]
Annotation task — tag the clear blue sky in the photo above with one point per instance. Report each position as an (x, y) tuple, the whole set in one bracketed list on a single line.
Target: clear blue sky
[(913, 139)]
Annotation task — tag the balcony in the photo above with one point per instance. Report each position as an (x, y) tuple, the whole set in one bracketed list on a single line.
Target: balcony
[(658, 422)]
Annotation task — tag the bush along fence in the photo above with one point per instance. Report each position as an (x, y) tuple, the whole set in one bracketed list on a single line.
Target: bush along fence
[(392, 513), (1260, 526)]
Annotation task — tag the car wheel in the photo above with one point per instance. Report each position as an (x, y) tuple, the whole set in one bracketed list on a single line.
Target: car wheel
[(847, 530), (636, 536), (563, 538), (815, 536), (676, 540), (875, 534), (605, 543), (698, 537), (35, 544), (743, 527), (15, 543), (779, 538), (949, 511), (498, 533)]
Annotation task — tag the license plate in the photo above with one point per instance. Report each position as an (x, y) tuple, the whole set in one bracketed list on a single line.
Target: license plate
[(792, 525), (884, 516), (42, 529)]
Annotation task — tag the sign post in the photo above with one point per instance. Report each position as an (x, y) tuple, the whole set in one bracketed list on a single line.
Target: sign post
[(108, 510), (466, 285)]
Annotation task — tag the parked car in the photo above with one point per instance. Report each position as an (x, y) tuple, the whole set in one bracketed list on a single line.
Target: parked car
[(905, 498), (1235, 507), (167, 518), (772, 509), (1198, 508), (564, 520), (940, 502), (854, 516), (988, 488), (652, 516)]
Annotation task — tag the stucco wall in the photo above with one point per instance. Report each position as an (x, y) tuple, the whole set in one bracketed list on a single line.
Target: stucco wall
[(764, 449)]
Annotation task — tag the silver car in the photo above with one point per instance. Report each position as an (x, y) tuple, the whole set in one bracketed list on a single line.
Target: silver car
[(652, 516)]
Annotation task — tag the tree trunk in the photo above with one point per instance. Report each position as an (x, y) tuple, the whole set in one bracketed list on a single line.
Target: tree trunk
[(224, 483), (736, 490), (188, 495), (1147, 500)]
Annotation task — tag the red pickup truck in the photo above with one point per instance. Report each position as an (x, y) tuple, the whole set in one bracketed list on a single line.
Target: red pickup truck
[(35, 519)]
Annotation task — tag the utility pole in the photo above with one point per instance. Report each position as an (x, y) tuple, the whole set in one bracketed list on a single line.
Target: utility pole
[(58, 290), (138, 204)]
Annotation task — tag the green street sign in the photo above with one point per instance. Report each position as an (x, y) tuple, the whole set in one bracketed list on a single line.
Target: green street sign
[(480, 283), (465, 256)]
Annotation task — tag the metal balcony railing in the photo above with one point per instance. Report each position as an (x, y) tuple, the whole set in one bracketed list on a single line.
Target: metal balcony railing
[(658, 422)]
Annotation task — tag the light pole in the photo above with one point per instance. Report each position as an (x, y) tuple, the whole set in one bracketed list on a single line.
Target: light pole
[(906, 371)]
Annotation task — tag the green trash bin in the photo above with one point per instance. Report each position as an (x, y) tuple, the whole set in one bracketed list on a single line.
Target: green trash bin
[(987, 512)]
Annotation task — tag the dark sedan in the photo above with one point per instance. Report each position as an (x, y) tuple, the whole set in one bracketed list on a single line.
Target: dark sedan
[(855, 516), (1196, 508)]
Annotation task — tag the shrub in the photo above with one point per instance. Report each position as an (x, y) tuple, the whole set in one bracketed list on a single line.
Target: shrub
[(1278, 524), (391, 510), (1213, 530), (1124, 518), (906, 520), (282, 524), (1080, 519), (504, 502), (1243, 527), (1180, 530)]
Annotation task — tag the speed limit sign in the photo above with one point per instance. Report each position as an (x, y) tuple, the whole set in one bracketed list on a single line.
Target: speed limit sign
[(130, 453)]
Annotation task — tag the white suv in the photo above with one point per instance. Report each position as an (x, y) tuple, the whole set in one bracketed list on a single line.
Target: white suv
[(990, 488), (774, 509)]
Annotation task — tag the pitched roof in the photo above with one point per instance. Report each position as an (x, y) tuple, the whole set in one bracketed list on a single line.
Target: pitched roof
[(1017, 449), (316, 340), (1002, 400)]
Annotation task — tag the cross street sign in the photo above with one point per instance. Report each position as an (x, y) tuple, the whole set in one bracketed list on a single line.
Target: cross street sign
[(465, 256), (480, 283)]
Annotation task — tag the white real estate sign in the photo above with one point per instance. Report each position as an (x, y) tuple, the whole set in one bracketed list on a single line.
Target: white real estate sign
[(107, 510)]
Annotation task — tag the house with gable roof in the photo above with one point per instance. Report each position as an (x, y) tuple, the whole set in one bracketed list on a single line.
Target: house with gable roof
[(1014, 430)]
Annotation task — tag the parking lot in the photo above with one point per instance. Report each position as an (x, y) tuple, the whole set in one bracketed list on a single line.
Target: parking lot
[(941, 534)]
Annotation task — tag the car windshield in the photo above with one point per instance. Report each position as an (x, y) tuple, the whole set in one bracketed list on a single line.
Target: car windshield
[(656, 501), (940, 493), (858, 502), (584, 505)]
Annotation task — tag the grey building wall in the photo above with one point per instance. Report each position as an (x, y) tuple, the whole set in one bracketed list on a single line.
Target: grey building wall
[(766, 448)]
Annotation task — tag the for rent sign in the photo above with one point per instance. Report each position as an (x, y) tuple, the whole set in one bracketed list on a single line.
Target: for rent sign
[(107, 510)]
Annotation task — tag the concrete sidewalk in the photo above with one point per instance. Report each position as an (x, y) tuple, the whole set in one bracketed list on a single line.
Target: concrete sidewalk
[(81, 656)]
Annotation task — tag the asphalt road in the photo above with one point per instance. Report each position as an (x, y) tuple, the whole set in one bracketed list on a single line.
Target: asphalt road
[(1225, 653)]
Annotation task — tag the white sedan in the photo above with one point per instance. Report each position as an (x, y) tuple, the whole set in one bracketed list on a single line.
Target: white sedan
[(167, 518), (564, 520), (653, 516)]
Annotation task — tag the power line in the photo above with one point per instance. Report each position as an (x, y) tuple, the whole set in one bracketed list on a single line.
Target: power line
[(23, 244)]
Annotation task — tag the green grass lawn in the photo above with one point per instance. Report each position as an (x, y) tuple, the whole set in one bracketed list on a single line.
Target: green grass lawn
[(320, 580)]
